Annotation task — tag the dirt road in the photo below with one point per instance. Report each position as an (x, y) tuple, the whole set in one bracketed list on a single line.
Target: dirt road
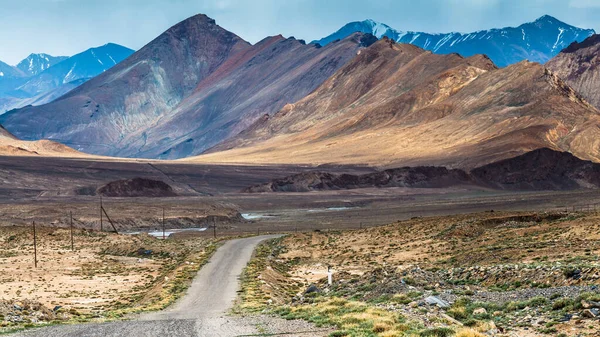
[(201, 312)]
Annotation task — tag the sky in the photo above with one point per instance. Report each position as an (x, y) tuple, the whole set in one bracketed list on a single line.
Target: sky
[(67, 27)]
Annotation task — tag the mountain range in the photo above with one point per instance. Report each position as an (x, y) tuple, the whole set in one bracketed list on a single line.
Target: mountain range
[(397, 104), (198, 89), (163, 102), (536, 41), (40, 78)]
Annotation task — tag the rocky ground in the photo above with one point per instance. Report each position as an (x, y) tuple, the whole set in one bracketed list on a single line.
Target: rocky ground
[(495, 274)]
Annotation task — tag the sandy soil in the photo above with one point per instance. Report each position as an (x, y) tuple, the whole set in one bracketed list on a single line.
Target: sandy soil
[(103, 271)]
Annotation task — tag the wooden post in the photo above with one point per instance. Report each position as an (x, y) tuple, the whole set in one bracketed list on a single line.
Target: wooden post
[(71, 217), (163, 223), (214, 228), (34, 246), (101, 210), (109, 220)]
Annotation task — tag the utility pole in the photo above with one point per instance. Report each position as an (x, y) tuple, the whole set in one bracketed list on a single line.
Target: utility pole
[(101, 210), (71, 217), (214, 228), (109, 220), (163, 223), (34, 246)]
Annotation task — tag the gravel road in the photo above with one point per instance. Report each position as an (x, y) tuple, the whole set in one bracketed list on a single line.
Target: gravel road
[(201, 312)]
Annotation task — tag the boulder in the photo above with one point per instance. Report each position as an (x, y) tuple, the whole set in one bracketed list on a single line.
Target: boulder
[(590, 304), (479, 311), (312, 289), (590, 313), (434, 300)]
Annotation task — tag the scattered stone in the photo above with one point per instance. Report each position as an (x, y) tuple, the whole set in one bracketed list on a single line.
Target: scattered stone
[(590, 313), (433, 300), (312, 289), (565, 318), (479, 311), (451, 319), (590, 304)]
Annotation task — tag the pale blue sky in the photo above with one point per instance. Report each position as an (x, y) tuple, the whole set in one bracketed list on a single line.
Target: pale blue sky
[(66, 27)]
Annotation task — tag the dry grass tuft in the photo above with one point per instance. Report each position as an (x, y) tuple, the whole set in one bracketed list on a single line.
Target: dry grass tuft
[(468, 333)]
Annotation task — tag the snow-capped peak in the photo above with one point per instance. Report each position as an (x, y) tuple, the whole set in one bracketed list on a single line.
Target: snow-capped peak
[(378, 29), (536, 41), (37, 63)]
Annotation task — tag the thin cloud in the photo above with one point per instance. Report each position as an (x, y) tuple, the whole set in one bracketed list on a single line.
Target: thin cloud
[(584, 3)]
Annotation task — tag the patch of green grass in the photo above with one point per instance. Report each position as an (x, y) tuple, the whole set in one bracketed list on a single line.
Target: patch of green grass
[(437, 332)]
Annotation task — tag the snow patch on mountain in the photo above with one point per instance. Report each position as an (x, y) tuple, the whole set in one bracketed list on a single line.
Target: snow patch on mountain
[(537, 41), (36, 63)]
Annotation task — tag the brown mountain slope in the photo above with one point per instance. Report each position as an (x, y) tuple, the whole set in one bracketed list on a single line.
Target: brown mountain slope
[(189, 89), (12, 146), (396, 104), (260, 80), (579, 66), (100, 115)]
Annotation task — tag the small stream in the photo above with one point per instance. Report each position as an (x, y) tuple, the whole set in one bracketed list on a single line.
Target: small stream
[(263, 215), (159, 233)]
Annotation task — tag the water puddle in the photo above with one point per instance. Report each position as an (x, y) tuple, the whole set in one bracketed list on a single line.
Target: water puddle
[(331, 209), (159, 233), (255, 216)]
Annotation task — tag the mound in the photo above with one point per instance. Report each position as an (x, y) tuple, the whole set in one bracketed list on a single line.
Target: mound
[(422, 176), (542, 169), (136, 187)]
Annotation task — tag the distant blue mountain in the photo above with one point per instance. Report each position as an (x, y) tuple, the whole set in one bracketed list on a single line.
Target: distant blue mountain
[(87, 64), (41, 78), (536, 41), (7, 71), (37, 63)]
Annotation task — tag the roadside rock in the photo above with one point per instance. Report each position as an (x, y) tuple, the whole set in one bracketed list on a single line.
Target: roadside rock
[(312, 289), (589, 304), (590, 313), (433, 300), (480, 311)]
